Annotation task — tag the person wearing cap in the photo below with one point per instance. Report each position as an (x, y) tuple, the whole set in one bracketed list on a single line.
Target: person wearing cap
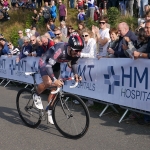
[(5, 49)]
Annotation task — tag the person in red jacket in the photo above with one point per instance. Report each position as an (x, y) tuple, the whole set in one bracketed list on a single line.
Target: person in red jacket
[(47, 43)]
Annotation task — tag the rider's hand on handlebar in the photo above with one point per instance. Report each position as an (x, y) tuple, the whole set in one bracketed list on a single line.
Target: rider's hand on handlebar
[(77, 78), (58, 83)]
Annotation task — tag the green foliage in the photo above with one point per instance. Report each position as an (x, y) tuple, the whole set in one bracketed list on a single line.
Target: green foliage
[(40, 22), (89, 22), (113, 14), (13, 37), (28, 22)]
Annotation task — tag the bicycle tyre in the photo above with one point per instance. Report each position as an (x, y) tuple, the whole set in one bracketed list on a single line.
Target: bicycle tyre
[(27, 111), (77, 114)]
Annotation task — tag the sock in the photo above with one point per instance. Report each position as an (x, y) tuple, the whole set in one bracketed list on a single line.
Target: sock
[(49, 112)]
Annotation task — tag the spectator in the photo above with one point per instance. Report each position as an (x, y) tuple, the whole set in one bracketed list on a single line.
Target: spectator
[(80, 4), (103, 37), (13, 50), (5, 5), (26, 49), (5, 49), (123, 30), (71, 3), (62, 11), (46, 12), (35, 31), (56, 40), (53, 10), (89, 49), (96, 12), (63, 28), (50, 25), (81, 15), (91, 9), (46, 43), (145, 54), (147, 8), (140, 46), (114, 40), (39, 3), (81, 26), (142, 7), (60, 35), (129, 7), (48, 36), (20, 40), (141, 21), (37, 49), (14, 4), (122, 6), (28, 33), (35, 17), (69, 29)]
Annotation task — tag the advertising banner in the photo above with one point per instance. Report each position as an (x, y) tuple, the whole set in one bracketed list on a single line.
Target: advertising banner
[(119, 81)]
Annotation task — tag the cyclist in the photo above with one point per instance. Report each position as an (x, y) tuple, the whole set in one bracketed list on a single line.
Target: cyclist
[(49, 66)]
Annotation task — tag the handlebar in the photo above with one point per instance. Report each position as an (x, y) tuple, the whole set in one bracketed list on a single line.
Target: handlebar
[(66, 79)]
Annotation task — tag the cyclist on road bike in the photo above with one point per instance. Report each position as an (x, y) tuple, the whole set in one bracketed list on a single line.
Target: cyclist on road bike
[(49, 66)]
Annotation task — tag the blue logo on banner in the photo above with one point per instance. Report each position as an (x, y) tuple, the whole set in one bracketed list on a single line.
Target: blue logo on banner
[(111, 79)]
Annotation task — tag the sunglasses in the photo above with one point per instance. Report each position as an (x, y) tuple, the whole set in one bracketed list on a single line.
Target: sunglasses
[(57, 34), (77, 51), (85, 35), (8, 44), (102, 22)]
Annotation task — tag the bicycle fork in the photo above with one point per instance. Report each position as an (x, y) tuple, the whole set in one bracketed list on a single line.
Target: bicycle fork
[(63, 104)]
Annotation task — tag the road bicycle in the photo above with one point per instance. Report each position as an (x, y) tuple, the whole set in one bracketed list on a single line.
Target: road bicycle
[(71, 120)]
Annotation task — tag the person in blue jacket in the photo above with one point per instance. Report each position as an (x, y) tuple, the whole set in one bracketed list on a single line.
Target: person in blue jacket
[(26, 49), (53, 10), (5, 49)]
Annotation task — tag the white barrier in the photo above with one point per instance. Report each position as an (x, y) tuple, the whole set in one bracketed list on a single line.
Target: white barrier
[(119, 81)]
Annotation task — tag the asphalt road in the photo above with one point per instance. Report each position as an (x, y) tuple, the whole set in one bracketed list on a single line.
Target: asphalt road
[(105, 133)]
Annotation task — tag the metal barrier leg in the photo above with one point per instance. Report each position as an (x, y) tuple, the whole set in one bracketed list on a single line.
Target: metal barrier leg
[(2, 81), (103, 110), (114, 108), (7, 83), (123, 115), (26, 86)]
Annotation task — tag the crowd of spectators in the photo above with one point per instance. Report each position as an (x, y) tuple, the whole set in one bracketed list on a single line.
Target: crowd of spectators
[(101, 41)]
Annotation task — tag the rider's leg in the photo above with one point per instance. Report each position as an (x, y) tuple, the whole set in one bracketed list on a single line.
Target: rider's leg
[(44, 85)]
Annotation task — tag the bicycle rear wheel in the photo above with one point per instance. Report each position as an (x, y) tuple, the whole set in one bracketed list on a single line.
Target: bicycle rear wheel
[(28, 112), (70, 119)]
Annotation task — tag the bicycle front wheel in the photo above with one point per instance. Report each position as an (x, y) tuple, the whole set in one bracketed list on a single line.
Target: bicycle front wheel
[(71, 118), (28, 112)]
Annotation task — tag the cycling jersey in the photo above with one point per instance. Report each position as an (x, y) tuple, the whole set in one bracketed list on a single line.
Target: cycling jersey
[(56, 54)]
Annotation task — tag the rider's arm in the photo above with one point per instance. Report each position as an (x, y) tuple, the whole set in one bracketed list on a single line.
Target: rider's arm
[(74, 66), (47, 62)]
